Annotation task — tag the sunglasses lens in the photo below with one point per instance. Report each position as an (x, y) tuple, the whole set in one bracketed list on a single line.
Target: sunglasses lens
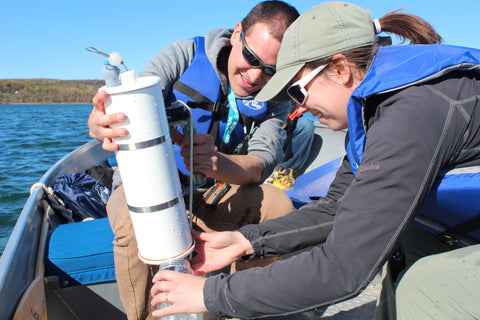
[(269, 71), (250, 58), (295, 92)]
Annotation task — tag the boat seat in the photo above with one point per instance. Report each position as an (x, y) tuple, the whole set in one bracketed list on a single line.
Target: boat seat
[(81, 253), (314, 184), (451, 210)]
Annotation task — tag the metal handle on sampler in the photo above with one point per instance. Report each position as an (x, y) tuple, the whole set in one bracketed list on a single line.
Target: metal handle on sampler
[(187, 123)]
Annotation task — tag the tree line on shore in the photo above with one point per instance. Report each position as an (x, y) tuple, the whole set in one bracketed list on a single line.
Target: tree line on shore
[(48, 90)]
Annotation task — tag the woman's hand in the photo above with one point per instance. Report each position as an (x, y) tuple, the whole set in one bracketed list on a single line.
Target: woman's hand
[(99, 123), (217, 250), (183, 291)]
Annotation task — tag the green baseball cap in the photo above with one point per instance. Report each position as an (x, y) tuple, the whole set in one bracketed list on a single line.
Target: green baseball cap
[(322, 31)]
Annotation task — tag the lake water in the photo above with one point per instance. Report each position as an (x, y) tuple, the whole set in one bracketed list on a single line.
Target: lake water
[(33, 137)]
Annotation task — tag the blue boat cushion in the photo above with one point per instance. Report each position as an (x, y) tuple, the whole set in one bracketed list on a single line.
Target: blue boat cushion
[(81, 253), (454, 198), (315, 183)]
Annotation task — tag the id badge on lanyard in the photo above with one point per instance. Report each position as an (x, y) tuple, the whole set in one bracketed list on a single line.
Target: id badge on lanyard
[(233, 116)]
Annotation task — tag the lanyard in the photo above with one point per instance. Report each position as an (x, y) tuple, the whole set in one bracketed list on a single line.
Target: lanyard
[(233, 115)]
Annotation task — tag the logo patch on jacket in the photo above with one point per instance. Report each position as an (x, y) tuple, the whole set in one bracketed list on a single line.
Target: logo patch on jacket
[(252, 108), (254, 104), (368, 167)]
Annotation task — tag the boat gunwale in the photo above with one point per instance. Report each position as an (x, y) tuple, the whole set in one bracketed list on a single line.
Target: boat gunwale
[(19, 255)]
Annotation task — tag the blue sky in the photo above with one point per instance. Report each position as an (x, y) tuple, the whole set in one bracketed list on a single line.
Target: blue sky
[(47, 39)]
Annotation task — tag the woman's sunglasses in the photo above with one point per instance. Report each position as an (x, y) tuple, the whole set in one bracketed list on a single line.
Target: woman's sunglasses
[(254, 61), (297, 90)]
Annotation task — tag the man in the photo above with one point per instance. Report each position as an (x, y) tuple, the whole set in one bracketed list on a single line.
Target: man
[(235, 64)]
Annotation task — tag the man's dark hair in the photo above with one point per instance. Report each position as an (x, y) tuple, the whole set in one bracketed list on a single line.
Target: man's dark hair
[(278, 15)]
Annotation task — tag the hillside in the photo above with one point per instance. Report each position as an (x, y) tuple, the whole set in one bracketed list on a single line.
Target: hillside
[(48, 90)]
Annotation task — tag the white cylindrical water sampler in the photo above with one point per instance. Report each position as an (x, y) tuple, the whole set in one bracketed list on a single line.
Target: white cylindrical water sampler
[(148, 170)]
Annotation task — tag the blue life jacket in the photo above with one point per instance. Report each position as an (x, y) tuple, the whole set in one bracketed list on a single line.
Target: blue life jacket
[(200, 88), (395, 68), (398, 67)]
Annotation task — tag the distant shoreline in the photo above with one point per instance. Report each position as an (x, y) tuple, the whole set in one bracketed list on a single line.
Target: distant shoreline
[(48, 91)]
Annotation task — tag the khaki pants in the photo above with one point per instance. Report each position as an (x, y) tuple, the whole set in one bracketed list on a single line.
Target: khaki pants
[(240, 206), (420, 247), (442, 286)]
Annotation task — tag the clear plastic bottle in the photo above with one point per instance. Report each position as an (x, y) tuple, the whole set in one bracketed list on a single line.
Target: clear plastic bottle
[(179, 265)]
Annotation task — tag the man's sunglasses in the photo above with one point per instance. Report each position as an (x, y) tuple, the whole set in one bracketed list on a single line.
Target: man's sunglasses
[(297, 90), (254, 61)]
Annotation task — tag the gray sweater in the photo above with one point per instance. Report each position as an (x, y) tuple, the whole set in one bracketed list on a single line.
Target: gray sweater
[(170, 63)]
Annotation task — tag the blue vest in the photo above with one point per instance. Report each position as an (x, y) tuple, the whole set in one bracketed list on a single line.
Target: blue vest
[(395, 68), (447, 205), (200, 88)]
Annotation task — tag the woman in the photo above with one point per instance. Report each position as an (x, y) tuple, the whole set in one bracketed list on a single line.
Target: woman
[(411, 112)]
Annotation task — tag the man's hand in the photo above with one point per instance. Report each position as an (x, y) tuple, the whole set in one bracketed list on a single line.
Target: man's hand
[(205, 152), (99, 123)]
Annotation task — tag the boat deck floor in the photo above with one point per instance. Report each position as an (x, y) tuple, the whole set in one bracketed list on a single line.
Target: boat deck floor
[(101, 301), (360, 308)]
